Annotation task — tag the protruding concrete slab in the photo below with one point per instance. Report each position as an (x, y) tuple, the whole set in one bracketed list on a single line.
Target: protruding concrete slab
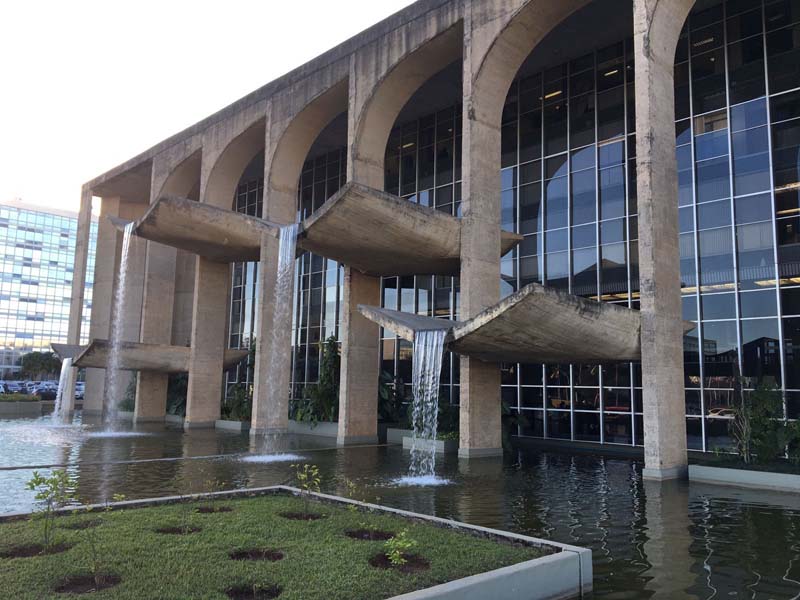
[(381, 234), (214, 233), (136, 356), (67, 350), (535, 325)]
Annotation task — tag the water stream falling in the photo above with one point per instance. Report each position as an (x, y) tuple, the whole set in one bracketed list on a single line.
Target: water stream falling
[(60, 412), (114, 381), (281, 313), (427, 368)]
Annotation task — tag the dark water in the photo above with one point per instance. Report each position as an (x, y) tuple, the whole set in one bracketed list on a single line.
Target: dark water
[(648, 540)]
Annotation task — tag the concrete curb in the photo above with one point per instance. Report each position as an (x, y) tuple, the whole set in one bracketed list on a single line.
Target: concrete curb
[(21, 409), (763, 480), (321, 429), (238, 426), (442, 446), (567, 573)]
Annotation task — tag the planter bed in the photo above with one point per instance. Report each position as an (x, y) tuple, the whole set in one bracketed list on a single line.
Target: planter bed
[(442, 446), (743, 477), (265, 540)]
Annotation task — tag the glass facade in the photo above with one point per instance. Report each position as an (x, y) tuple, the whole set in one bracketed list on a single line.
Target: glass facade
[(37, 251), (569, 186)]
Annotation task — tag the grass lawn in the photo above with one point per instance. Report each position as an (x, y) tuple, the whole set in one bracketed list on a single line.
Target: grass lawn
[(319, 560)]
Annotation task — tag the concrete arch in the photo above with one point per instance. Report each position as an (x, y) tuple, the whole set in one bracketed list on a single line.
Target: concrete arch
[(374, 121), (232, 157), (292, 147), (183, 180)]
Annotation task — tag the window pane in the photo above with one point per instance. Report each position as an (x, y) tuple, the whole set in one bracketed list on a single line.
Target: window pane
[(720, 353), (761, 350), (751, 161), (756, 255), (783, 55), (746, 69)]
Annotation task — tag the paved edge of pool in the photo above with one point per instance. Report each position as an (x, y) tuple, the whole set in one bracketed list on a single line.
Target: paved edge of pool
[(566, 573), (761, 480)]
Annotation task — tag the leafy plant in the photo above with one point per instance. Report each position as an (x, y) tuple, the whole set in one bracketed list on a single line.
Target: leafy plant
[(757, 427), (308, 480), (510, 421), (95, 554), (52, 493), (238, 404), (177, 386), (320, 401), (128, 403), (397, 548), (391, 398)]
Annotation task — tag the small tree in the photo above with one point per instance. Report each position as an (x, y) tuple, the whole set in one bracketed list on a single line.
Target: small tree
[(757, 427), (308, 480), (40, 365), (52, 493), (397, 548), (321, 400)]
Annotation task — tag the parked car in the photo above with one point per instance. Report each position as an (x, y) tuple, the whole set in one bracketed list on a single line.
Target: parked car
[(45, 393), (80, 389), (3, 388), (13, 387)]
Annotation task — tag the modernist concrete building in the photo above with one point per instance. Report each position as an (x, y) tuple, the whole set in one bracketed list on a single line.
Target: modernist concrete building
[(449, 162)]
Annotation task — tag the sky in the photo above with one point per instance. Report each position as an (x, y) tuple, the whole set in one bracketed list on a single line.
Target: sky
[(88, 84)]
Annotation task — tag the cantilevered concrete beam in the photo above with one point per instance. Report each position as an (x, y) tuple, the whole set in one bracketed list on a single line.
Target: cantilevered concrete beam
[(136, 356), (381, 234), (535, 325), (214, 233)]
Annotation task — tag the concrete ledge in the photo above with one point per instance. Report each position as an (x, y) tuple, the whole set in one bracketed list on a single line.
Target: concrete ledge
[(187, 425), (357, 440), (323, 428), (566, 573), (176, 419), (441, 446), (21, 409), (239, 426), (664, 474), (479, 452), (124, 415), (395, 436), (148, 419), (762, 480)]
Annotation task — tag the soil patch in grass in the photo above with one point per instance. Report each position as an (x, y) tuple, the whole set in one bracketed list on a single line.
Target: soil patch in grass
[(86, 584), (28, 550), (210, 510), (369, 535), (302, 516), (414, 563), (257, 554), (175, 530), (249, 592)]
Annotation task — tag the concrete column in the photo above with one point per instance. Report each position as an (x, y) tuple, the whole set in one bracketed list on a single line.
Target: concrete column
[(157, 308), (358, 388), (82, 242), (479, 416), (209, 315), (105, 269), (656, 30)]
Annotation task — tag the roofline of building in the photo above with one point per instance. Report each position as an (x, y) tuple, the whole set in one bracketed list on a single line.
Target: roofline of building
[(369, 35), (47, 210)]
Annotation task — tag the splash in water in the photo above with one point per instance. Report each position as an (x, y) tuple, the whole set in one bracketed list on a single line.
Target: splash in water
[(114, 381), (282, 313), (61, 409), (428, 352)]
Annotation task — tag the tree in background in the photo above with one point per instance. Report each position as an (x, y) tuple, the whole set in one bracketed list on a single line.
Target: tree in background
[(40, 365)]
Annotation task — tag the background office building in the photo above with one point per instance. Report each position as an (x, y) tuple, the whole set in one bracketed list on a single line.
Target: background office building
[(552, 88), (37, 252)]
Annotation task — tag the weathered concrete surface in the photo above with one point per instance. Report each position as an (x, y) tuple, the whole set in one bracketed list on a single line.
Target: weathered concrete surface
[(137, 356), (67, 350), (657, 26), (211, 232), (534, 325), (382, 234), (358, 388)]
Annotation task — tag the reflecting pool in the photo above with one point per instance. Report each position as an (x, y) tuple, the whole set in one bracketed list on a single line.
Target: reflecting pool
[(648, 540)]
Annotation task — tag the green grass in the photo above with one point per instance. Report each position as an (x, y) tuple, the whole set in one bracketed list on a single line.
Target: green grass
[(18, 398), (320, 561)]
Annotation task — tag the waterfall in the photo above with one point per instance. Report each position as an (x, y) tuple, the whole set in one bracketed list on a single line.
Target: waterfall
[(114, 382), (281, 313), (59, 411), (428, 352)]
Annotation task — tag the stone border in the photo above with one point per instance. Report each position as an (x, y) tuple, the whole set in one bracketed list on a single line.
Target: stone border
[(237, 426), (329, 429), (395, 435), (567, 573), (32, 408), (441, 446), (762, 480)]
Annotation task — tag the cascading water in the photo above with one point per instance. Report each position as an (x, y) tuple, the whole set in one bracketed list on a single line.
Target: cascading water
[(427, 369), (281, 313), (114, 393), (60, 412)]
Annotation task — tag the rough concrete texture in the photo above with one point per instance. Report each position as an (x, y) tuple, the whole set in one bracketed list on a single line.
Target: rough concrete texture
[(358, 388), (138, 356), (657, 26), (381, 234), (215, 233)]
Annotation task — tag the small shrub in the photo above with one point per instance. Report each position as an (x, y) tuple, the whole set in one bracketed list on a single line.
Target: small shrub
[(397, 547), (52, 493), (308, 480), (758, 429)]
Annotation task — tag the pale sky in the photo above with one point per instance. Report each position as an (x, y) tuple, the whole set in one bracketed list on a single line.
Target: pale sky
[(88, 84)]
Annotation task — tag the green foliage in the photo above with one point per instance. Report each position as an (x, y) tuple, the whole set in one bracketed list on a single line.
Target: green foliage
[(128, 403), (18, 398), (52, 493), (320, 401), (238, 404), (758, 429), (391, 399), (308, 480), (398, 546), (40, 365), (177, 386), (510, 421), (448, 436)]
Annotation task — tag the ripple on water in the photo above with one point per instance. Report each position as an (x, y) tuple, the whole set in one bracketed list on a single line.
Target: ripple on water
[(422, 480), (271, 458), (116, 434)]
